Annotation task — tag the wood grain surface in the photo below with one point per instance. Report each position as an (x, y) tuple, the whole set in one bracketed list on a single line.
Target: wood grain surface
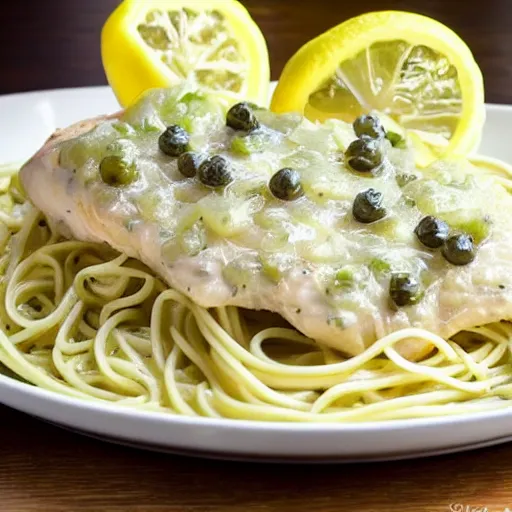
[(55, 43)]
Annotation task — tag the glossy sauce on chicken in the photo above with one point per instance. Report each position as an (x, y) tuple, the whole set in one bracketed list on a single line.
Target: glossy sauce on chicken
[(321, 258)]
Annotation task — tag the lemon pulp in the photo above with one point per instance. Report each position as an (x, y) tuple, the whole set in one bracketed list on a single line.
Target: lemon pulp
[(198, 44), (414, 85), (159, 43)]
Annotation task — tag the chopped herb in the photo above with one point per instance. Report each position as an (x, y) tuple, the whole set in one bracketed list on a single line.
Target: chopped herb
[(404, 179), (409, 201), (254, 142), (379, 266), (147, 127), (192, 96), (397, 141), (336, 322), (344, 278)]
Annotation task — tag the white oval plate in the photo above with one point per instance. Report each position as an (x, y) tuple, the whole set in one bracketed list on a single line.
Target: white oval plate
[(25, 122)]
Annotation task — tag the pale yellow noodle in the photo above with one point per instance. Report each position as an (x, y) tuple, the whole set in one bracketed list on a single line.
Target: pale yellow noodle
[(79, 319)]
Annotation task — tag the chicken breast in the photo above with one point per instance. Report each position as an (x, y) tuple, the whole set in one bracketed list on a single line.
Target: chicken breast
[(315, 258)]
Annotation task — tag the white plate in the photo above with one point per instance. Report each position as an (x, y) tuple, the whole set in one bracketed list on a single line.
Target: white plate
[(25, 122)]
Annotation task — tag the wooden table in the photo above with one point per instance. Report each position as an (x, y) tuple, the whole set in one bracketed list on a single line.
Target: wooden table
[(55, 43)]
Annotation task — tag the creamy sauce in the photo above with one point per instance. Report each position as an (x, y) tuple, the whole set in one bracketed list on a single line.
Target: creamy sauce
[(258, 252)]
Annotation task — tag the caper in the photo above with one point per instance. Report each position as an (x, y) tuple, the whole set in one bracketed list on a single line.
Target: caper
[(404, 289), (368, 207), (364, 155), (116, 171), (432, 232), (174, 141), (459, 249), (189, 162), (370, 126), (241, 117), (285, 184), (215, 172)]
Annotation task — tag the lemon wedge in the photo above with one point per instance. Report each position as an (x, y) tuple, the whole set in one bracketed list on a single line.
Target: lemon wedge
[(159, 43), (414, 70)]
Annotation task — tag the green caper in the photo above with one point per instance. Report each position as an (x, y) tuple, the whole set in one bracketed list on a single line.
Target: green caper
[(459, 249), (285, 184), (241, 117), (364, 155), (404, 289), (116, 172), (370, 126), (189, 162), (368, 206), (432, 232), (215, 172), (174, 141)]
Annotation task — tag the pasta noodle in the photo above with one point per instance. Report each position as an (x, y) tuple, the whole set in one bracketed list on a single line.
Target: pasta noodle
[(79, 319)]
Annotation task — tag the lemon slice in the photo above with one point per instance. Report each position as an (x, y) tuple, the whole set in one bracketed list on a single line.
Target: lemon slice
[(413, 69), (159, 43)]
